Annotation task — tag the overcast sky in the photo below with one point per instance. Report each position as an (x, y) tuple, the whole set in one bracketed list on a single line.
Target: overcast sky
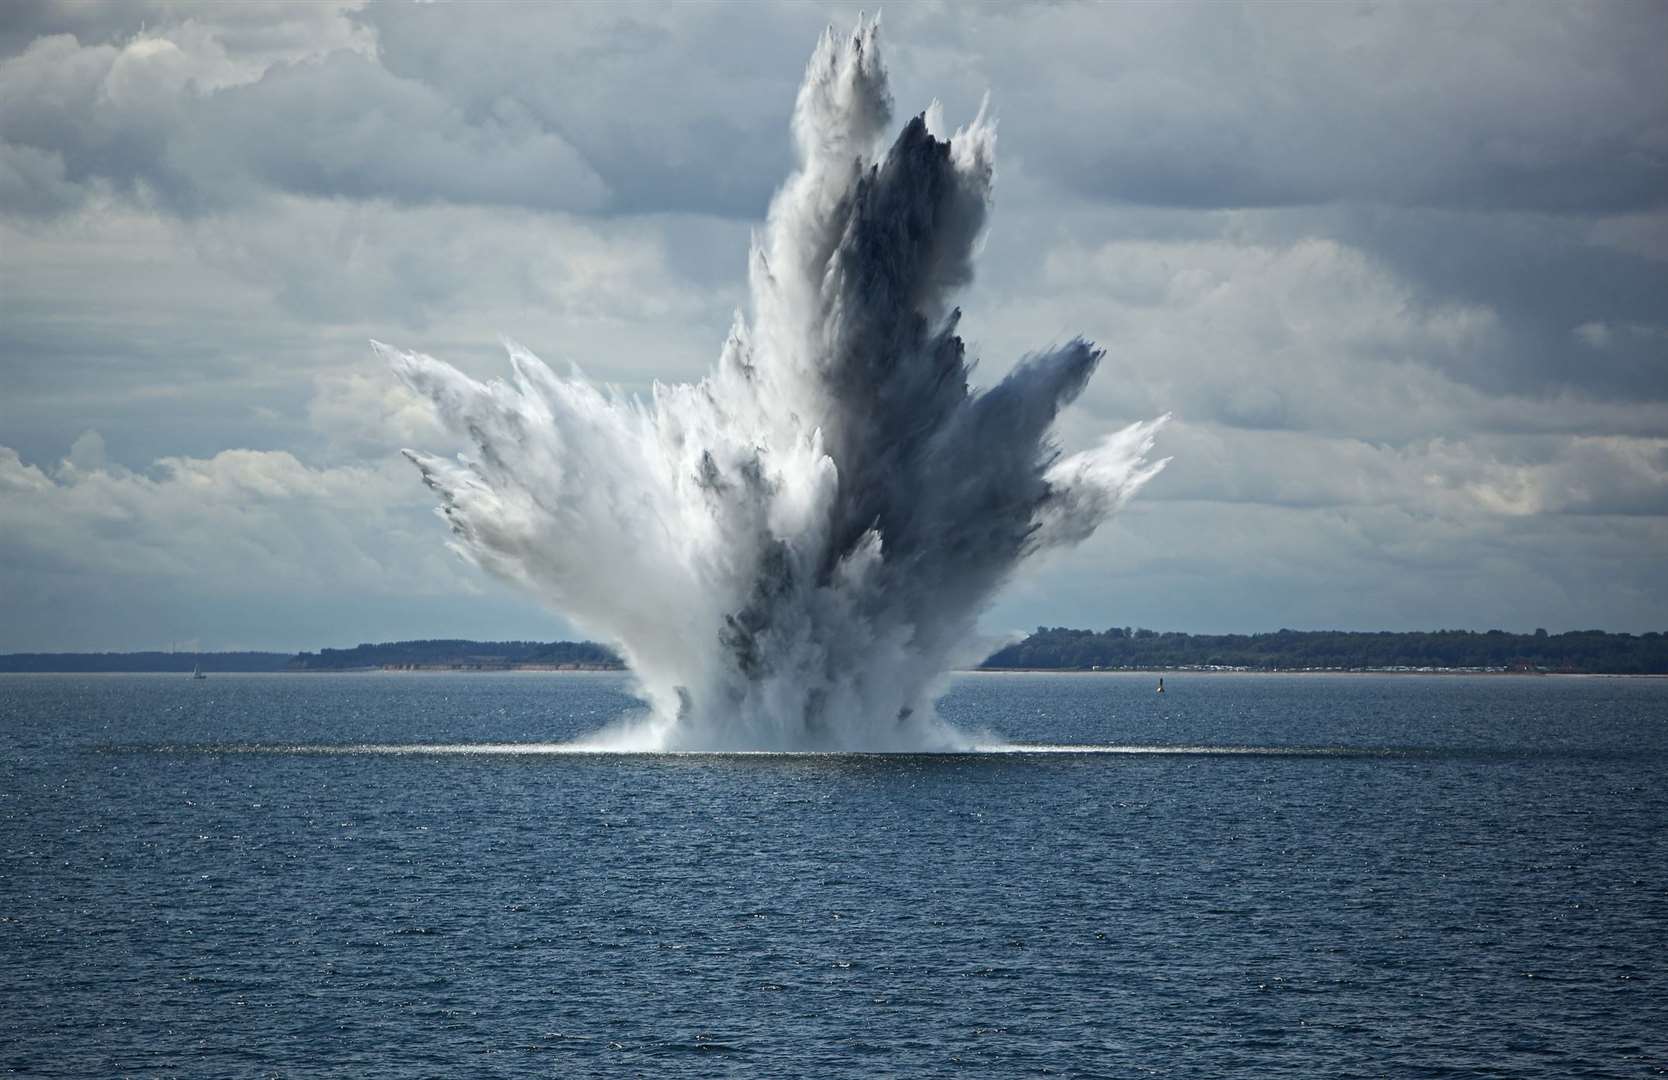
[(1399, 271)]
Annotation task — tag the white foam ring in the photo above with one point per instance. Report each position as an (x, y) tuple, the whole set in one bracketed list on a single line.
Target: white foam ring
[(584, 749), (792, 552)]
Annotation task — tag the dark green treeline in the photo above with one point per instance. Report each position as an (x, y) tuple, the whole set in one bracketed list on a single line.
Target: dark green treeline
[(1579, 651)]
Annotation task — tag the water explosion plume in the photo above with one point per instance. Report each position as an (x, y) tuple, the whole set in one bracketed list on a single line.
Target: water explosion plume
[(793, 552)]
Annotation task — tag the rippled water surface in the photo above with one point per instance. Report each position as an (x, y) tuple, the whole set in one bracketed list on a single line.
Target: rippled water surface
[(393, 875)]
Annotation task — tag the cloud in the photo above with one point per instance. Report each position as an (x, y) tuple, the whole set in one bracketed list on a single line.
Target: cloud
[(225, 324), (246, 546), (1457, 478), (1589, 475), (349, 128), (257, 32), (1190, 566), (429, 265), (214, 521), (1276, 325), (1553, 109), (1397, 271), (631, 107), (178, 120), (34, 182), (679, 108), (1542, 275), (1308, 335)]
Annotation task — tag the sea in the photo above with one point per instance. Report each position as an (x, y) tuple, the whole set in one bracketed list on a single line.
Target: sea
[(396, 875)]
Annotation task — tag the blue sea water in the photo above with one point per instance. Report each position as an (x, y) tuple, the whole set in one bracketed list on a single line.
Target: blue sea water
[(1394, 876)]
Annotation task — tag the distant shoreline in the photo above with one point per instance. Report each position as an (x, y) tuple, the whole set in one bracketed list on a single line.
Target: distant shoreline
[(536, 669), (461, 669), (1053, 649), (1311, 671)]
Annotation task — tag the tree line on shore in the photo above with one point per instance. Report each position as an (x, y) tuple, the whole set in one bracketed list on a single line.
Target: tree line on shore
[(438, 654), (452, 653), (1119, 647), (156, 660)]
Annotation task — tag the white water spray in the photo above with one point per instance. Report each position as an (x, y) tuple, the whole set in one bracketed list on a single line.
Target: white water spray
[(793, 552)]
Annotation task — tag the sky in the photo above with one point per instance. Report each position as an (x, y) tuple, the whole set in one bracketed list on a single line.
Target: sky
[(1399, 272)]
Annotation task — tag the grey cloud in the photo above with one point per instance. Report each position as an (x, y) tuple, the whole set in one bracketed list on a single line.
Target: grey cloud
[(78, 612), (1590, 475), (109, 321), (1469, 106), (1397, 270), (678, 108), (1388, 323), (261, 30), (23, 21), (544, 107), (175, 336), (50, 111), (1308, 334), (1546, 277), (1251, 567), (101, 555), (141, 118), (345, 126), (34, 182), (1546, 108), (1501, 160), (1460, 478)]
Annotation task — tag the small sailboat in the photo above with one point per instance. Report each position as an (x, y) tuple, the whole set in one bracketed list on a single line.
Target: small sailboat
[(1161, 684), (197, 671)]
